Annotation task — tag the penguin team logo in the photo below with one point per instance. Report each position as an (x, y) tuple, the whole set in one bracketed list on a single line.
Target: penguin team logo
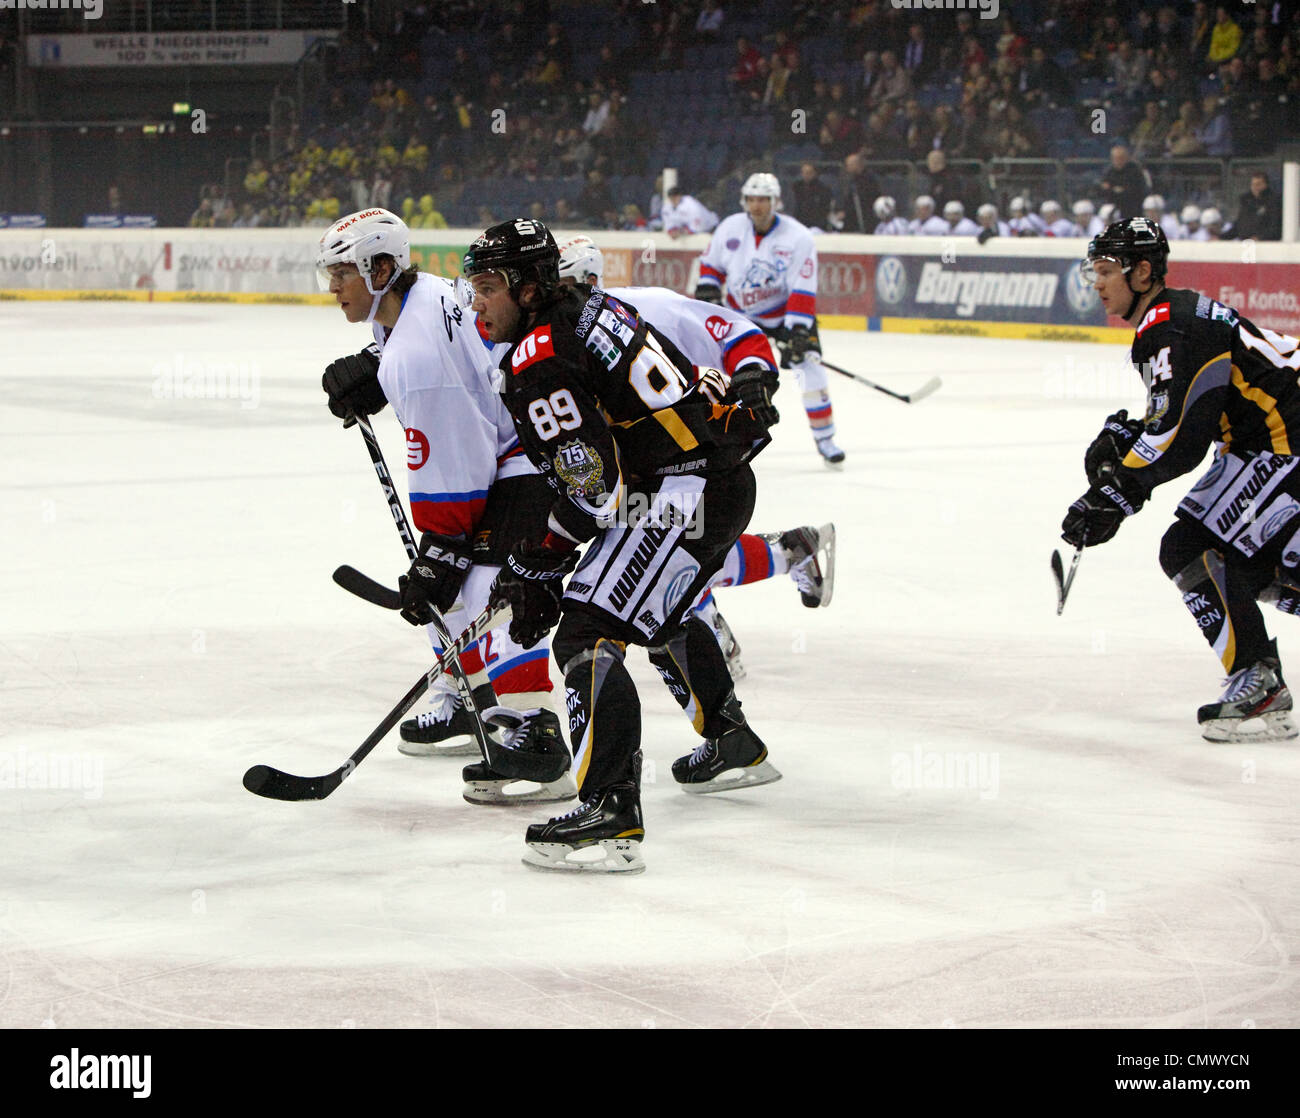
[(891, 280)]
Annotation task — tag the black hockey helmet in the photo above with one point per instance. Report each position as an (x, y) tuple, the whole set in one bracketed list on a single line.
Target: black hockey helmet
[(522, 250), (1129, 241)]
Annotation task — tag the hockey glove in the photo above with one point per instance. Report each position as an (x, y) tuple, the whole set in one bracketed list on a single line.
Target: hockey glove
[(352, 384), (1108, 449), (435, 577), (709, 293), (532, 583), (1096, 516), (753, 389), (795, 345)]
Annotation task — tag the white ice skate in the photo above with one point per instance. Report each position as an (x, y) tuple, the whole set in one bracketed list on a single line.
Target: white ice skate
[(831, 454), (1254, 707)]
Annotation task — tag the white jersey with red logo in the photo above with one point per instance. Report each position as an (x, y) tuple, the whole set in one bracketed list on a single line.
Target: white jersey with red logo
[(438, 375), (769, 277), (705, 333)]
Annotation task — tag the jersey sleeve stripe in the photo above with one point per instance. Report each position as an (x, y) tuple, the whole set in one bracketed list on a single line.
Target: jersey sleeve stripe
[(1268, 405), (708, 272), (801, 302), (671, 422)]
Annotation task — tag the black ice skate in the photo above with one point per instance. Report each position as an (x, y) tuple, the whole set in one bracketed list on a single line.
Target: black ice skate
[(1255, 706), (539, 771), (810, 553), (603, 835), (831, 454), (445, 731), (735, 759)]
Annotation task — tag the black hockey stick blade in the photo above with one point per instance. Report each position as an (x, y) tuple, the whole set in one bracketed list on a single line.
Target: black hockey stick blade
[(363, 586), (1062, 580), (921, 393)]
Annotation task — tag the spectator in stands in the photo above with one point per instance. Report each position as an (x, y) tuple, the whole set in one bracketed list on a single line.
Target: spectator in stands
[(1168, 35), (1124, 183), (1042, 82), (970, 141), (856, 191), (1103, 46), (1016, 137), (869, 73), (879, 140), (708, 24), (683, 214), (1215, 131), (972, 55), (918, 57), (812, 198), (256, 180), (916, 130), (892, 84), (632, 218), (565, 216), (597, 114), (1148, 135), (839, 135), (945, 131), (1183, 137), (558, 49), (595, 198), (1199, 31), (778, 74), (248, 217), (426, 217), (1011, 44), (1225, 37), (1128, 69), (1259, 211), (744, 74), (942, 183)]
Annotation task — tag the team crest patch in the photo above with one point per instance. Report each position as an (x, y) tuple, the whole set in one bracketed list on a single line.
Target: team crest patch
[(619, 327), (1158, 407), (580, 468), (621, 310)]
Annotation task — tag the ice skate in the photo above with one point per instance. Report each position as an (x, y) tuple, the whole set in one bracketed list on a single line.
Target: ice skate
[(1255, 706), (734, 760), (712, 617), (831, 454), (602, 835), (811, 555), (447, 730), (539, 758)]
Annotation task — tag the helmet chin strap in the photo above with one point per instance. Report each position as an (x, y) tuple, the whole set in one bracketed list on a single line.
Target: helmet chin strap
[(1137, 295), (378, 296)]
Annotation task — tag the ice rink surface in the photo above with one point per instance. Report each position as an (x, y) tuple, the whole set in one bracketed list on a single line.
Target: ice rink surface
[(991, 815)]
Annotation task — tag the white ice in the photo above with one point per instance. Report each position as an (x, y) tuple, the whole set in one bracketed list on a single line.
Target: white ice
[(167, 619)]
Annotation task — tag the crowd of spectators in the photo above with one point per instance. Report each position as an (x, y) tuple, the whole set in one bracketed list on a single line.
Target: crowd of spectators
[(1180, 80)]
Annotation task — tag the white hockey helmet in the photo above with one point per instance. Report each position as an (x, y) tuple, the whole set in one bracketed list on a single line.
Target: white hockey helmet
[(1153, 202), (357, 239), (923, 202), (1106, 215), (987, 212), (1211, 216), (1050, 210), (1191, 214), (579, 258), (953, 211), (1019, 206), (1084, 208), (761, 184), (884, 207)]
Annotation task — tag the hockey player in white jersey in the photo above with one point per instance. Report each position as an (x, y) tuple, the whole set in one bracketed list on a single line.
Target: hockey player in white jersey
[(472, 490), (1023, 222), (718, 338), (959, 225), (889, 224), (1153, 209), (1190, 219), (925, 222), (683, 214), (768, 263), (990, 224), (1085, 217), (1055, 223)]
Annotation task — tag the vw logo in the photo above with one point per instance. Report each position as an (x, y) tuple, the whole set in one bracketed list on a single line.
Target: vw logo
[(891, 281), (1080, 294)]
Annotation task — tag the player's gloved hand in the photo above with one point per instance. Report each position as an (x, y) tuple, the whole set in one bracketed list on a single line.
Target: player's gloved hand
[(1108, 449), (1096, 516), (352, 384), (435, 577), (753, 388), (796, 345), (709, 293), (531, 583)]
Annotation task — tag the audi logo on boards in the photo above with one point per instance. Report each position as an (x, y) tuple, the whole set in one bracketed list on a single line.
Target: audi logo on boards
[(664, 271), (841, 277)]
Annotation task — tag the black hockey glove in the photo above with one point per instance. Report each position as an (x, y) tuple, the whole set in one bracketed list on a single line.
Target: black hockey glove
[(435, 577), (709, 293), (352, 384), (532, 583), (1096, 516), (1108, 449), (753, 389), (795, 344)]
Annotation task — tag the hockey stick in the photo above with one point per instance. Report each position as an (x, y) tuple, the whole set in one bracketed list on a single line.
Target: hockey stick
[(498, 759), (1062, 580), (262, 780), (363, 586), (911, 398)]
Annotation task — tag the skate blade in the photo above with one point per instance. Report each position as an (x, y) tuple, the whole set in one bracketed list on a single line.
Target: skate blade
[(734, 779), (837, 466), (452, 747), (1275, 725), (826, 545), (507, 793), (607, 856)]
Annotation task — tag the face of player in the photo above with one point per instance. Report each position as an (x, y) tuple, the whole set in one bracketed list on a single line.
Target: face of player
[(761, 212), (1111, 284), (348, 287), (499, 315)]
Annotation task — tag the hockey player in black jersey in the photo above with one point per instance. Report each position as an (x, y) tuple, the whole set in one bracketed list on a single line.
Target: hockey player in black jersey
[(650, 469), (1212, 377)]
